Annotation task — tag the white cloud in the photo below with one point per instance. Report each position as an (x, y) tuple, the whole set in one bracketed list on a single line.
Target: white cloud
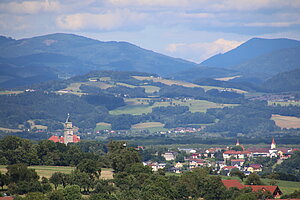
[(271, 24), (30, 7), (201, 51), (107, 21)]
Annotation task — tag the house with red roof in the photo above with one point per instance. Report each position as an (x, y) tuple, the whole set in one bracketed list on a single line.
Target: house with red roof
[(236, 154), (273, 189), (237, 162), (254, 168)]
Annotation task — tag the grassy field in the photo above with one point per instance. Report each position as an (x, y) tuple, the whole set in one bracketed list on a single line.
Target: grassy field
[(10, 130), (286, 187), (150, 126), (99, 85), (147, 125), (10, 92), (270, 103), (150, 89), (135, 106), (47, 171), (39, 127), (227, 78), (286, 121), (184, 84), (102, 126)]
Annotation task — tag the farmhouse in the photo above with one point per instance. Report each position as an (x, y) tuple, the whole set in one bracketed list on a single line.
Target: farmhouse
[(273, 189), (236, 154)]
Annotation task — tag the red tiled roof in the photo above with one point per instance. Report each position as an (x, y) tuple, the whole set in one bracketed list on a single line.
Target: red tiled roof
[(54, 138), (237, 160), (232, 183), (228, 167), (76, 138), (256, 188), (6, 198), (237, 152), (255, 166)]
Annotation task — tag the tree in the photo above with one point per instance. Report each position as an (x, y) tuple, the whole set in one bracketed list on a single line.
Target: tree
[(46, 185), (35, 196), (72, 192), (237, 148), (238, 173), (20, 172), (246, 196), (121, 156), (90, 167), (253, 179), (56, 195), (82, 179), (60, 178), (4, 180), (56, 179)]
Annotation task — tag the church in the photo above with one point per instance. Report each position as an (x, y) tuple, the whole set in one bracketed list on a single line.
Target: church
[(69, 136)]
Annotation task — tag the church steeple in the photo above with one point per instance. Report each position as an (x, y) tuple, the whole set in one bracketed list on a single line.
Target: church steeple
[(68, 130), (68, 118), (237, 142), (273, 145)]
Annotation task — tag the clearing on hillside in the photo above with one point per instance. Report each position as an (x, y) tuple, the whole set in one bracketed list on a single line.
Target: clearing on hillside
[(148, 125), (10, 130), (138, 106), (227, 78), (286, 121), (102, 126), (184, 84)]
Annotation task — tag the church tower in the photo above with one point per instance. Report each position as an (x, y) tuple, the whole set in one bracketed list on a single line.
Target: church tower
[(237, 142), (273, 145), (68, 130)]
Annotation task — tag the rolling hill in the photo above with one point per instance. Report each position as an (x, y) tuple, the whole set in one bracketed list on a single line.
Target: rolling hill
[(66, 55), (284, 82)]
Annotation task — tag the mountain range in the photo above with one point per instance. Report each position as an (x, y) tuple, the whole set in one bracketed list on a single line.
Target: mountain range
[(65, 55), (59, 56)]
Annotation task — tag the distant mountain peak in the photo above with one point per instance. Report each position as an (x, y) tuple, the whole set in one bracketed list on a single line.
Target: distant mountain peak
[(251, 49)]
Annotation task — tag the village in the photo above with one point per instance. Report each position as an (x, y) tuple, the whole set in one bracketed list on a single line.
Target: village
[(235, 157)]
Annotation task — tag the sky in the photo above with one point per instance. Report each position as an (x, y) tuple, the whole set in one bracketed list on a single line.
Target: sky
[(190, 29)]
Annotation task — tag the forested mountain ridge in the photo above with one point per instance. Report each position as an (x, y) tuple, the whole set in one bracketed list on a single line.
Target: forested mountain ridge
[(254, 61), (68, 55), (251, 49), (284, 82)]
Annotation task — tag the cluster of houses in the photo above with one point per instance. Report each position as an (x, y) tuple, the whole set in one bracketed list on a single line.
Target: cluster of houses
[(231, 159)]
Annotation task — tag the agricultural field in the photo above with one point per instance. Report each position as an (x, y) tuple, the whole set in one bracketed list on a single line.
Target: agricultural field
[(102, 126), (39, 127), (150, 126), (227, 78), (5, 92), (184, 84), (138, 106), (286, 187), (286, 121), (47, 171), (271, 103), (10, 130)]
